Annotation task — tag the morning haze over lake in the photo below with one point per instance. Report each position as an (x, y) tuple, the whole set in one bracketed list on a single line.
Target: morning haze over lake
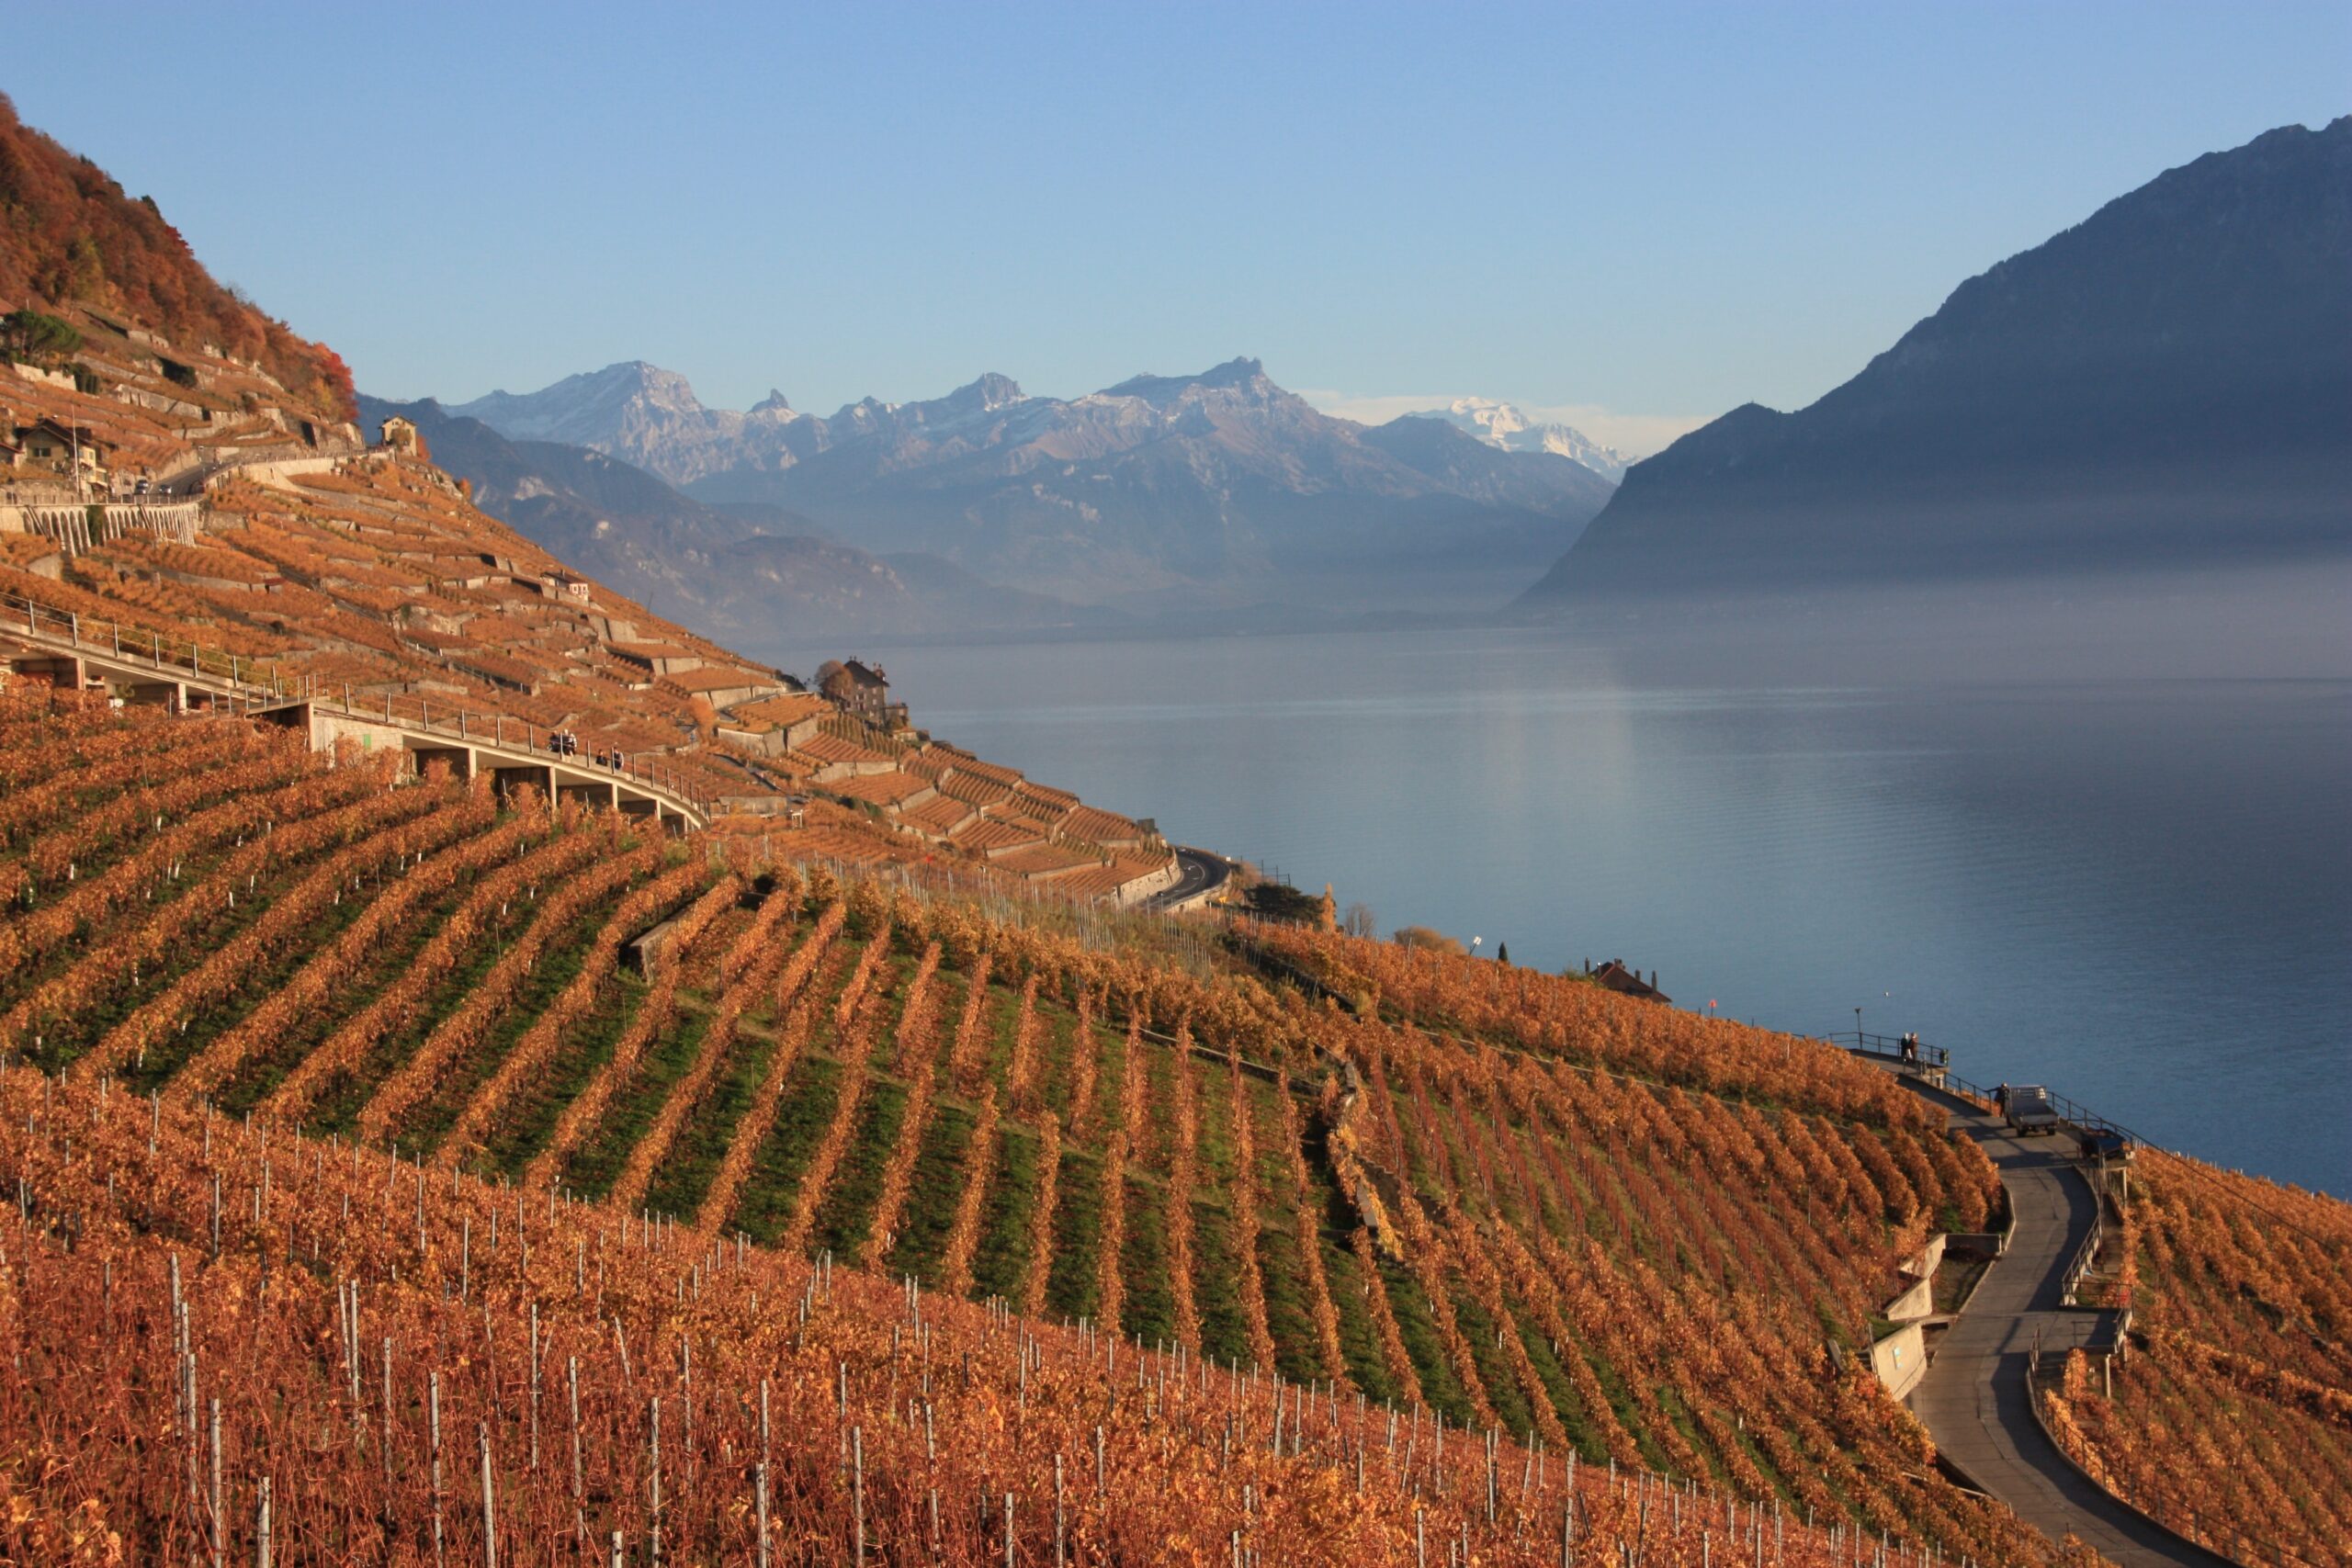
[(2138, 882), (1241, 785)]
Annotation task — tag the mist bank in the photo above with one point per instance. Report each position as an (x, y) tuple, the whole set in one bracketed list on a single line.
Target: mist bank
[(2272, 621), (2135, 887), (2255, 623)]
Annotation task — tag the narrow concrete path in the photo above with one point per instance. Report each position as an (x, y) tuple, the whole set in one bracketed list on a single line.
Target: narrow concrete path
[(1974, 1397)]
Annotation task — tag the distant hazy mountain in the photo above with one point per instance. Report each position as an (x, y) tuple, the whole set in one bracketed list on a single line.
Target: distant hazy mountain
[(758, 576), (2169, 382), (1164, 494), (1507, 428), (644, 416)]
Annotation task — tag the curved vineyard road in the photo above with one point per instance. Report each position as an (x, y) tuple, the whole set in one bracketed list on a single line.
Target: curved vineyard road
[(1974, 1397)]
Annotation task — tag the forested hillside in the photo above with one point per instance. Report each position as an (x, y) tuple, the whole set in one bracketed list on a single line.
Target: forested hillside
[(69, 236)]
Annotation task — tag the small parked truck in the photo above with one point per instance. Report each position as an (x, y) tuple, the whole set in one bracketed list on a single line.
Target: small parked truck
[(2102, 1144), (2031, 1110)]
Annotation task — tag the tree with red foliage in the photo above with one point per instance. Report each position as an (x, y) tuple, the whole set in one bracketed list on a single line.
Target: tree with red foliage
[(70, 237)]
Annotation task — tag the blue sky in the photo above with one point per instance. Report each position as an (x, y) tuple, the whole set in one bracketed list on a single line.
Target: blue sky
[(1641, 214)]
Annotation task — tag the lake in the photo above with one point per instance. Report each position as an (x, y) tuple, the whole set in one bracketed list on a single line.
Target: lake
[(2137, 891)]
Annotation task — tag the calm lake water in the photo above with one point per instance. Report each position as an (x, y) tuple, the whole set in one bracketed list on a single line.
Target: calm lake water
[(2136, 891)]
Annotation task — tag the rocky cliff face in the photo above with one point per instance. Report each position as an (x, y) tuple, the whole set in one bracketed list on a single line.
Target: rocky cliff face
[(1162, 491), (2169, 382)]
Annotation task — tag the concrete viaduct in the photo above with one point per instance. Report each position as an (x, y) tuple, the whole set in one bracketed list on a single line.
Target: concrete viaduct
[(78, 653)]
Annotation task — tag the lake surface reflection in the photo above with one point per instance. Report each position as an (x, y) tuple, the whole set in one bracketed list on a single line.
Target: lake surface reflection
[(2138, 892)]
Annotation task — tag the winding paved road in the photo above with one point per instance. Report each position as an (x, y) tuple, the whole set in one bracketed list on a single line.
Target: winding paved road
[(1203, 874), (1974, 1397)]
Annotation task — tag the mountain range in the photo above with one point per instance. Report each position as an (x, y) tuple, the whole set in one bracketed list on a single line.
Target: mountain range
[(2167, 383), (765, 578), (1160, 495)]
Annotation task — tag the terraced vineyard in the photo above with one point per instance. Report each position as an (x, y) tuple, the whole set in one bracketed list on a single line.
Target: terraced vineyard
[(334, 1354), (1588, 1244), (2231, 1420), (1585, 1231)]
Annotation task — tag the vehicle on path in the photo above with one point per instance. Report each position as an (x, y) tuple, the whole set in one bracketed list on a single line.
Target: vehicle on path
[(2102, 1144), (2028, 1109)]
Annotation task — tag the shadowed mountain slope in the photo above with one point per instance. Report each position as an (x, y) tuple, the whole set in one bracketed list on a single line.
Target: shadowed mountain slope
[(2169, 382)]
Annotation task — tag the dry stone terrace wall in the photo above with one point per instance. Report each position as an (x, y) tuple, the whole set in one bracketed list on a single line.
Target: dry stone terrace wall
[(367, 577)]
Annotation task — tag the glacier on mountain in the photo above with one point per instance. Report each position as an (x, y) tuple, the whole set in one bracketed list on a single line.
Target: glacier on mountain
[(1506, 427)]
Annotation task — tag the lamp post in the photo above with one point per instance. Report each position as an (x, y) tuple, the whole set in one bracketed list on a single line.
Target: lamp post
[(1858, 1028)]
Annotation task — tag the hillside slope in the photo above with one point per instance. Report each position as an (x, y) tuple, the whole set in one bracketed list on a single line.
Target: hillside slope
[(2169, 382), (69, 236), (762, 577), (220, 525), (450, 1385), (368, 581), (2242, 1296), (1498, 1201)]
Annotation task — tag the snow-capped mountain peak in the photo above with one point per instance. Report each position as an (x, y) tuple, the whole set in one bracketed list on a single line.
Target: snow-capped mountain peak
[(1506, 427)]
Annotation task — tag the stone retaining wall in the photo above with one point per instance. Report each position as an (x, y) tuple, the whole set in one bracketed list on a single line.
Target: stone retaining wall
[(1901, 1359), (1143, 888)]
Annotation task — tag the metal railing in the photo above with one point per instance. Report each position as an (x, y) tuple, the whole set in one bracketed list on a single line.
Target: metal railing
[(2071, 1112), (2085, 1256), (1889, 1047), (2076, 1114), (250, 679), (256, 686), (494, 730)]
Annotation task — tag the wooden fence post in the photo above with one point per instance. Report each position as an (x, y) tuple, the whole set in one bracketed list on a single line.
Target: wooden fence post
[(489, 1509)]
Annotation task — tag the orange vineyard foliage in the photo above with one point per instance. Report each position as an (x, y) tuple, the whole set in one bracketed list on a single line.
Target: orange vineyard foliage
[(375, 1358), (2229, 1419), (1499, 1221)]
